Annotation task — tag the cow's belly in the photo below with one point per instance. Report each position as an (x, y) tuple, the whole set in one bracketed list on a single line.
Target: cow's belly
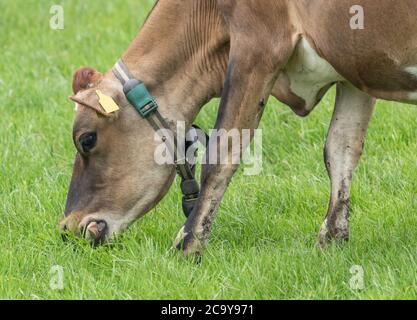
[(305, 79)]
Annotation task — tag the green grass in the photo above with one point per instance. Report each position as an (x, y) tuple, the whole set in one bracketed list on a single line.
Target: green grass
[(263, 241)]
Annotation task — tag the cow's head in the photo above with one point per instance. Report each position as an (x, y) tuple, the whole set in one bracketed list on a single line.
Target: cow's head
[(115, 178)]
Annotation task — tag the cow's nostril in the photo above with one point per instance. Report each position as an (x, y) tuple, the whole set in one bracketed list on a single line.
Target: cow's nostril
[(95, 231), (101, 226)]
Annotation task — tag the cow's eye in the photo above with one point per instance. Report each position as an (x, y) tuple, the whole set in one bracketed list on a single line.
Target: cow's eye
[(88, 141)]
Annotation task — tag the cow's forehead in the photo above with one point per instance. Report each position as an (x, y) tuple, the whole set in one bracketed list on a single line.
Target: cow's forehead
[(85, 118)]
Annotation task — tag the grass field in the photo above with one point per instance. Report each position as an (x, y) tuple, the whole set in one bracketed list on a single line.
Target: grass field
[(263, 241)]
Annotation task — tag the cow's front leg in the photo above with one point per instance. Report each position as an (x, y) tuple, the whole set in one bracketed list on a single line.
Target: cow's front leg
[(344, 146), (247, 87)]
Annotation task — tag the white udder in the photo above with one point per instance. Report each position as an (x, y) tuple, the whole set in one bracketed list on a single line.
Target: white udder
[(308, 73)]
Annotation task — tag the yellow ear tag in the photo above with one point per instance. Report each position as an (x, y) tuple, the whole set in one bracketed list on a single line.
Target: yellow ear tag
[(107, 102)]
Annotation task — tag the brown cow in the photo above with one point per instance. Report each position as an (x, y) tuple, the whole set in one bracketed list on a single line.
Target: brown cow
[(190, 51)]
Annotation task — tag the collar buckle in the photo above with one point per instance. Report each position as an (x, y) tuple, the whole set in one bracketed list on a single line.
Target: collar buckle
[(139, 96)]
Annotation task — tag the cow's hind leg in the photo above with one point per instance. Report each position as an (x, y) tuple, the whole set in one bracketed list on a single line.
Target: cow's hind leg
[(344, 146)]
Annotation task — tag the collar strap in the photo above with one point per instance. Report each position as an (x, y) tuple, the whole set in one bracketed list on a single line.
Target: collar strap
[(135, 90), (139, 97)]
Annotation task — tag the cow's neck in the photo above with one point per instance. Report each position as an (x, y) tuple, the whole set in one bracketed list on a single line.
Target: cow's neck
[(181, 54)]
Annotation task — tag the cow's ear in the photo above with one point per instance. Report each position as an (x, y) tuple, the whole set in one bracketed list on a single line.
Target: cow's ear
[(88, 99), (85, 78)]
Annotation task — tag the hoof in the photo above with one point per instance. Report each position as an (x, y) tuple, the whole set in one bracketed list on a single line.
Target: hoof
[(189, 244), (324, 238), (329, 235)]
